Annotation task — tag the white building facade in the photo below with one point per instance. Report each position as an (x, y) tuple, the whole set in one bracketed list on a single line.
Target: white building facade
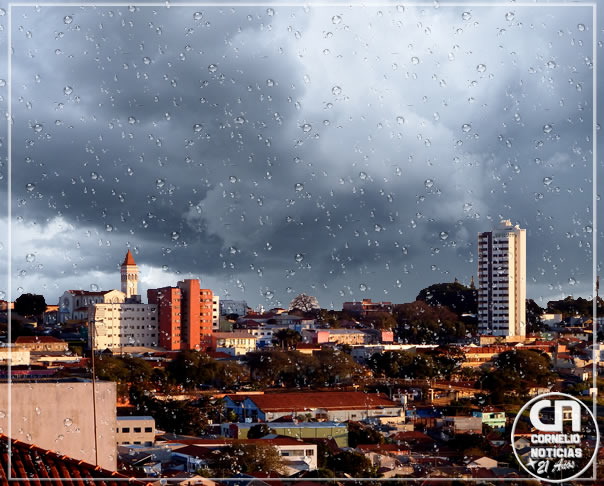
[(502, 281), (238, 307), (118, 325), (73, 304)]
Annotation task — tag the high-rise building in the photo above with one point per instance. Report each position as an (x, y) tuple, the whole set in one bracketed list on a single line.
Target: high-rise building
[(129, 274), (502, 281), (185, 315)]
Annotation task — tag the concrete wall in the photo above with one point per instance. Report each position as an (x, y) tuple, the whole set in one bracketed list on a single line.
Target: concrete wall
[(59, 417)]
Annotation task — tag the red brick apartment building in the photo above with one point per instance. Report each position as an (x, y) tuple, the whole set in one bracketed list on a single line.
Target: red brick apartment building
[(184, 314)]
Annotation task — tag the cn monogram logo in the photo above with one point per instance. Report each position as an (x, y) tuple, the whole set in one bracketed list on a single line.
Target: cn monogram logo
[(559, 407)]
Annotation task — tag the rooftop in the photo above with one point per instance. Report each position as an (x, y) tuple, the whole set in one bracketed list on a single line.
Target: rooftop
[(129, 260), (279, 402)]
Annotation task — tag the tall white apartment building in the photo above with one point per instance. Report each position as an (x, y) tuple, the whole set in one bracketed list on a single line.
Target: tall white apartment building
[(502, 281), (118, 325)]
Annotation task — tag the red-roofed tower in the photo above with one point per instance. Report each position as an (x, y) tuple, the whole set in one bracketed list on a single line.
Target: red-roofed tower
[(129, 274)]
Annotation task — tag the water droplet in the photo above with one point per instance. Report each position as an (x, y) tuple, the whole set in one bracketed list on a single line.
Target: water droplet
[(581, 27), (415, 60), (94, 176), (175, 235), (467, 207), (510, 16), (38, 411), (299, 257), (239, 120), (233, 179), (109, 228), (268, 294), (547, 181), (299, 187), (307, 127), (2, 414), (146, 60), (363, 287), (398, 283), (433, 267), (336, 19), (159, 183), (270, 12), (30, 186), (547, 128), (67, 90), (30, 257), (38, 127), (428, 183), (466, 16), (572, 281), (68, 19), (551, 64), (362, 176), (466, 127), (197, 128), (94, 287), (588, 229), (398, 171), (212, 68), (68, 422), (443, 235), (270, 83), (336, 90), (197, 16), (481, 68)]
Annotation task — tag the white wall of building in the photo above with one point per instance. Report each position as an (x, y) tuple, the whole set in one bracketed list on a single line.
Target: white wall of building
[(118, 325)]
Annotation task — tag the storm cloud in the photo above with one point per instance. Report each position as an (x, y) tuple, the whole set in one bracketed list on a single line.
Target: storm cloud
[(346, 152)]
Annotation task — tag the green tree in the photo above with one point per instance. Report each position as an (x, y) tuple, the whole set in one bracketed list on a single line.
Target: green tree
[(353, 463), (359, 434), (258, 431), (533, 316), (287, 338), (420, 323), (457, 297), (239, 458), (304, 303), (30, 305)]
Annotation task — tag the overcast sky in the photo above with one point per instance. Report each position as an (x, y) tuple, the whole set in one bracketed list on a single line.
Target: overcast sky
[(348, 153)]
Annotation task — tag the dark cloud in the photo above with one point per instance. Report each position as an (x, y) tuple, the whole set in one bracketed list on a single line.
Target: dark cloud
[(348, 152)]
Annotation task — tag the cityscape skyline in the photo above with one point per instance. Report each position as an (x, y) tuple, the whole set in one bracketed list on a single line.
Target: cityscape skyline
[(288, 161)]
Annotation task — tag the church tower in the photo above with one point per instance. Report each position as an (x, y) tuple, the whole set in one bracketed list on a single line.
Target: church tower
[(129, 274)]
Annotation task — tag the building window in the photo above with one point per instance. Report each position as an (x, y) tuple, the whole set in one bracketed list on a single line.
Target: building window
[(310, 452), (137, 429), (148, 429), (126, 430)]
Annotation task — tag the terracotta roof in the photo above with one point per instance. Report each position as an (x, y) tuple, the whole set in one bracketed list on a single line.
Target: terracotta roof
[(37, 339), (279, 402), (32, 463), (129, 260)]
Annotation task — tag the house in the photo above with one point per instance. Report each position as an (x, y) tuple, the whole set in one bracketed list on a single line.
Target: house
[(493, 417), (235, 343), (323, 406), (139, 429), (481, 462)]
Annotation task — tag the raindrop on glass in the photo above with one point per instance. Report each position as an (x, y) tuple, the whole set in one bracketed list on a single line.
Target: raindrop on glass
[(466, 16), (30, 186), (299, 257), (30, 257), (197, 128), (443, 235), (428, 183), (481, 68), (233, 179), (466, 127), (68, 422), (362, 287), (415, 60), (68, 19), (547, 181), (299, 187), (67, 90), (38, 127), (197, 16), (307, 127), (547, 128), (336, 90)]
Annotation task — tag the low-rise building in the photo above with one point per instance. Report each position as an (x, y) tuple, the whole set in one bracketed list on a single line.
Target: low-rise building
[(492, 416), (323, 406), (228, 306), (73, 304), (298, 430), (138, 429), (235, 343), (42, 343), (366, 307), (16, 355)]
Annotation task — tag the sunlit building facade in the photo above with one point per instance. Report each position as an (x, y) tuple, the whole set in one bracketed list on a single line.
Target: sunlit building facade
[(502, 281)]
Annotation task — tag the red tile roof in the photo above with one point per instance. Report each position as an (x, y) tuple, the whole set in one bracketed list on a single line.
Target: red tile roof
[(280, 402), (129, 260), (29, 463)]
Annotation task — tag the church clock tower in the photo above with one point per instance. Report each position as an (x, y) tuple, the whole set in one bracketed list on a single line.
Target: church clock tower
[(129, 274)]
